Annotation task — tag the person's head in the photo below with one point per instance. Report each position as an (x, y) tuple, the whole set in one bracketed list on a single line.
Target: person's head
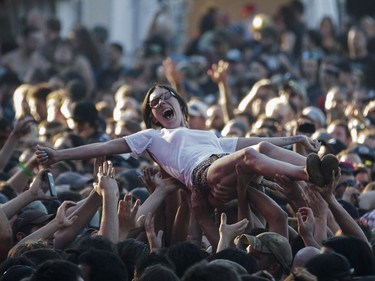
[(57, 270), (74, 180), (12, 261), (54, 102), (88, 242), (271, 251), (21, 107), (123, 105), (164, 108), (130, 251), (357, 42), (357, 251), (238, 256), (86, 119), (330, 267), (315, 115), (30, 39), (17, 273), (304, 255), (327, 27), (149, 260), (234, 128), (336, 103), (197, 114), (339, 130), (296, 95), (205, 271), (41, 255), (64, 53), (257, 70), (98, 265), (310, 65), (279, 109), (184, 255), (114, 53), (52, 28), (125, 127), (37, 100), (260, 93), (158, 272), (28, 222)]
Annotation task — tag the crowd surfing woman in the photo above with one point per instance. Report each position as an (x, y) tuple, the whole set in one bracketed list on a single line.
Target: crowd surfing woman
[(194, 157)]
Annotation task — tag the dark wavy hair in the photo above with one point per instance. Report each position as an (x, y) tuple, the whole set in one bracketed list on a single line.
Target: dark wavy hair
[(147, 111)]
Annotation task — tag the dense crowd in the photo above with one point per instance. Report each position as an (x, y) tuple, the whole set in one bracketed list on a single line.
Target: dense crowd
[(246, 153)]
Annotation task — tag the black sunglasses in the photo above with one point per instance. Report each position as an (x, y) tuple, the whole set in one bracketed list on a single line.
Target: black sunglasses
[(164, 96)]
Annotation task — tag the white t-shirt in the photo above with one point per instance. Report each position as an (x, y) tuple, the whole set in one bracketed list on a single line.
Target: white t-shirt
[(178, 151)]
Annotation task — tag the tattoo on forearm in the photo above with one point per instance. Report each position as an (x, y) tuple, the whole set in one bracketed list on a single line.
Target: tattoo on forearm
[(292, 139)]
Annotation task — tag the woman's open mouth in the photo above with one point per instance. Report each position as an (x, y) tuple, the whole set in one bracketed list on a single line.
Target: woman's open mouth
[(168, 113)]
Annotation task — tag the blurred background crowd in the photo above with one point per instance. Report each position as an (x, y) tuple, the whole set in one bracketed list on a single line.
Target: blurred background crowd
[(262, 74)]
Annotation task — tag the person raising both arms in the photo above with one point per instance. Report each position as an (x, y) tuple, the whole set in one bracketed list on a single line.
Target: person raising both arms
[(195, 157)]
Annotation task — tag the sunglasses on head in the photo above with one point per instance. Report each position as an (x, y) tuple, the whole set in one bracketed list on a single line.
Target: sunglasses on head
[(163, 97)]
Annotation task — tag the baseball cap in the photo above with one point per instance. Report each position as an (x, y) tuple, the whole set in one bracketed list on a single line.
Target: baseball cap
[(365, 152), (270, 243), (75, 180), (339, 266), (197, 108), (31, 217), (315, 114)]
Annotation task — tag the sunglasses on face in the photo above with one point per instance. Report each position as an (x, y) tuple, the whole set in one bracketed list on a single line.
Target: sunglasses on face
[(163, 97)]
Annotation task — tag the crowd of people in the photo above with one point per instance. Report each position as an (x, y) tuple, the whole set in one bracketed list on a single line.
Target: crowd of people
[(245, 154)]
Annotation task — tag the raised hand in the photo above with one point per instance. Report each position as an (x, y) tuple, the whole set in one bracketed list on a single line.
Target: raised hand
[(61, 216), (127, 212), (39, 186), (229, 231), (173, 75), (147, 179), (154, 240), (106, 180), (306, 223), (288, 187), (22, 126), (219, 72)]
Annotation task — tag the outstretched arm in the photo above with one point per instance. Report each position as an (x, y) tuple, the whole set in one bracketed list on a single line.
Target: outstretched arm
[(309, 144), (48, 156)]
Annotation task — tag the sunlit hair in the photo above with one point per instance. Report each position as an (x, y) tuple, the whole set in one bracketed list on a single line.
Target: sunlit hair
[(147, 111), (19, 100)]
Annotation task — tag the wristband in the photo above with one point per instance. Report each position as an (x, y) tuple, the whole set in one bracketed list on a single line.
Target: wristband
[(25, 170)]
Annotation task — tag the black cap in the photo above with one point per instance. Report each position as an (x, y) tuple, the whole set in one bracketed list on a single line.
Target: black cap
[(329, 266)]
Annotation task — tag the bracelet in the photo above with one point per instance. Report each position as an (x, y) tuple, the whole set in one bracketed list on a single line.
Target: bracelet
[(25, 170)]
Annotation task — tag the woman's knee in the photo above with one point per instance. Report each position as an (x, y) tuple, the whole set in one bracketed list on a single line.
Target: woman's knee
[(250, 156), (265, 146)]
